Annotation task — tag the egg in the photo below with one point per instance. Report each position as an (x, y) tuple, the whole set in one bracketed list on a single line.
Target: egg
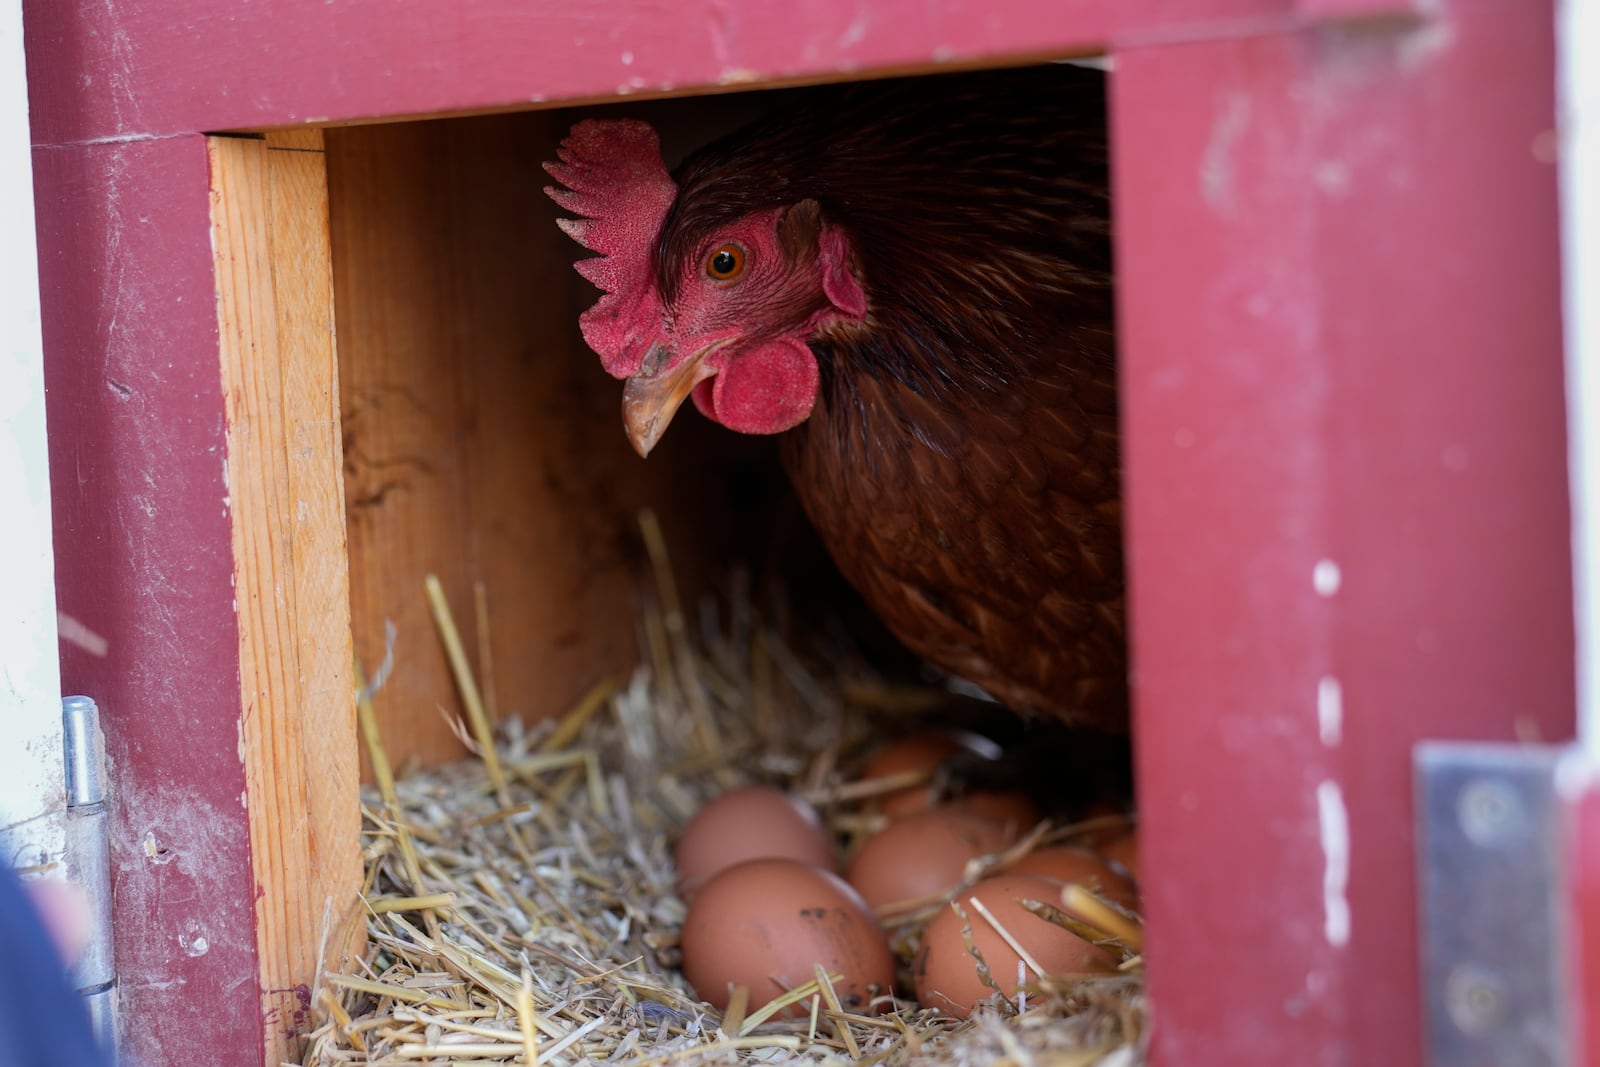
[(1064, 863), (745, 824), (946, 974), (769, 919), (925, 753), (922, 854)]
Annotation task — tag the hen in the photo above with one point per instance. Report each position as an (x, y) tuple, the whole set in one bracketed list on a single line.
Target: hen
[(911, 280)]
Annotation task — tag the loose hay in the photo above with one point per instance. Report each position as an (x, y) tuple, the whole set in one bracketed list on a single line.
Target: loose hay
[(537, 922)]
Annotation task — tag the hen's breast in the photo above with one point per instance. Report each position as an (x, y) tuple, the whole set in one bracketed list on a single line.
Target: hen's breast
[(984, 529)]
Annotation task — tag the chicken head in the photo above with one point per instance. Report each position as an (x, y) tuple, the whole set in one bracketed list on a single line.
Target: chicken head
[(721, 312)]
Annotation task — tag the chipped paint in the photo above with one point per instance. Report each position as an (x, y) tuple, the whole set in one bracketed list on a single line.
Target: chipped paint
[(1334, 825), (1330, 711), (1326, 577), (1216, 166), (192, 938), (1428, 39)]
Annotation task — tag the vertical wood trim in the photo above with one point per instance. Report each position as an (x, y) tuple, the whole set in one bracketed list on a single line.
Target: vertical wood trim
[(1344, 437), (280, 381)]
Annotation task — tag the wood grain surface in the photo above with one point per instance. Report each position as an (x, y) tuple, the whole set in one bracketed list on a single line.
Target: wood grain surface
[(298, 736)]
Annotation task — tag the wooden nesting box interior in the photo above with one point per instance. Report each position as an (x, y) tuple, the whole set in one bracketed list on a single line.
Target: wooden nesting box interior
[(482, 442), (451, 422), (290, 373)]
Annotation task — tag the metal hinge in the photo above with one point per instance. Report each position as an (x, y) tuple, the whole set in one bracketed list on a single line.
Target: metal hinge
[(1494, 914), (89, 862)]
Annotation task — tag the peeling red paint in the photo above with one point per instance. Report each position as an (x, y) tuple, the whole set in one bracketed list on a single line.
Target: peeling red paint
[(1346, 461), (134, 403), (142, 68)]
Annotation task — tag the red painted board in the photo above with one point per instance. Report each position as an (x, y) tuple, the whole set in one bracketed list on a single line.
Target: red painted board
[(134, 407), (155, 67), (1345, 463), (1583, 902), (1330, 10)]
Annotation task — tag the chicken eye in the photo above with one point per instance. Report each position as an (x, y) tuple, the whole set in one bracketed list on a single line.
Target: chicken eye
[(726, 263)]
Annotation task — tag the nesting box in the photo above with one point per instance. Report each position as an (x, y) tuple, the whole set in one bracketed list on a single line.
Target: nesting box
[(309, 336)]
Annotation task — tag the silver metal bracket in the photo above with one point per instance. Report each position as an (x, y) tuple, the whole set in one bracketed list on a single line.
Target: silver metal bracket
[(94, 975), (1493, 919)]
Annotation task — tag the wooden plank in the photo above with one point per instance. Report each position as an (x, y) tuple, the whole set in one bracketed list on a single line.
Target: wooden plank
[(1345, 455), (98, 71), (404, 407), (307, 139), (483, 441), (141, 521), (275, 310)]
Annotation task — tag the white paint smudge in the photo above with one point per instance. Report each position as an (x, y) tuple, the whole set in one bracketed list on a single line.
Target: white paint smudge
[(1332, 177), (1216, 166), (1325, 577), (1330, 710), (1431, 38), (1334, 822), (855, 33), (192, 938), (75, 632)]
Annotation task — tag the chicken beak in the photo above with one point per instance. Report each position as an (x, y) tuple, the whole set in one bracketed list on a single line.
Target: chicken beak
[(652, 397)]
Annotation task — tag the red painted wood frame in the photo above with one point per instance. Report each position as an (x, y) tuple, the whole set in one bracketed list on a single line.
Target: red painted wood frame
[(1345, 439)]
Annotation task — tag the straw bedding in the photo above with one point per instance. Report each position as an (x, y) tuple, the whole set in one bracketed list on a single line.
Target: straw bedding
[(521, 907)]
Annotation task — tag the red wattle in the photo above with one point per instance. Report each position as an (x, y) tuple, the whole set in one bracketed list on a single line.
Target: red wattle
[(764, 390)]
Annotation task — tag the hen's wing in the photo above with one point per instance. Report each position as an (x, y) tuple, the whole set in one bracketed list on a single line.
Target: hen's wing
[(986, 535)]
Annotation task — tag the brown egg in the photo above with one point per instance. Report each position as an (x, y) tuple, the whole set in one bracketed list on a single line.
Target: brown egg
[(774, 919), (924, 752), (1014, 810), (1064, 863), (1125, 851), (922, 854), (746, 824), (945, 972)]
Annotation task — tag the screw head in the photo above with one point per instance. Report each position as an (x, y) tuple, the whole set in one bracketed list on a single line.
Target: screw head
[(1490, 811), (1477, 999)]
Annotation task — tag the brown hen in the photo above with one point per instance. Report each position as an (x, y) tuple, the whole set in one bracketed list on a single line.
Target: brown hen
[(911, 280)]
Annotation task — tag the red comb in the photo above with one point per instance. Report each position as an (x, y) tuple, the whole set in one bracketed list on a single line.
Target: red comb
[(615, 178)]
